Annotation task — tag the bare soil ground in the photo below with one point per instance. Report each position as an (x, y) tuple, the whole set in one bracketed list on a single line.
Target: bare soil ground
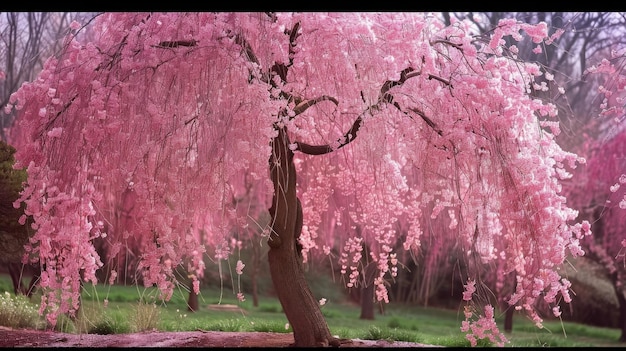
[(37, 338)]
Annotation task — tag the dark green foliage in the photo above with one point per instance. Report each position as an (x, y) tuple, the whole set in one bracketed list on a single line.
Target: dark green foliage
[(13, 235)]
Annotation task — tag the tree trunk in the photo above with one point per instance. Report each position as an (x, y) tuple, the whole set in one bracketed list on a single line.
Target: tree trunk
[(511, 281), (33, 281), (367, 302), (16, 277), (301, 308), (192, 302), (17, 272), (622, 315), (621, 303), (256, 257), (508, 319), (367, 292)]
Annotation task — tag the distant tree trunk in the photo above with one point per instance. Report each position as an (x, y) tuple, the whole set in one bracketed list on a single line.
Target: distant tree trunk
[(622, 315), (508, 319), (621, 303), (192, 302), (256, 266), (16, 277), (16, 271), (367, 292), (301, 308), (509, 310), (33, 280), (367, 302), (593, 253)]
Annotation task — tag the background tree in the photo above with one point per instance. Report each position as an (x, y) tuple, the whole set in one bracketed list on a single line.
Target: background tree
[(581, 39), (591, 114), (27, 40), (13, 235), (607, 211), (399, 116), (599, 192), (584, 39)]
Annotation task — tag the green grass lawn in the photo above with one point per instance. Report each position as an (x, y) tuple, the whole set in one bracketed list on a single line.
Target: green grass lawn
[(131, 309)]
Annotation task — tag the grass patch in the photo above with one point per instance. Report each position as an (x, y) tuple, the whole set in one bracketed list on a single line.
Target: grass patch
[(145, 316), (19, 312), (125, 309)]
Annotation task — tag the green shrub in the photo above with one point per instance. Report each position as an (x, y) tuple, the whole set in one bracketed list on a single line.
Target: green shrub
[(375, 333), (393, 323), (391, 334), (109, 323), (19, 312), (104, 326), (94, 319), (65, 324), (145, 317)]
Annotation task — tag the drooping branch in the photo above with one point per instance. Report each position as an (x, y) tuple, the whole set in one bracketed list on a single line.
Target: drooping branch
[(383, 98), (248, 53), (176, 43), (303, 106), (278, 68), (405, 74), (447, 42), (426, 119), (51, 121), (293, 36), (444, 81), (324, 149)]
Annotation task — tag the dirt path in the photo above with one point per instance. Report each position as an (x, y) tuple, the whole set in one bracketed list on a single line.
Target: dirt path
[(34, 338)]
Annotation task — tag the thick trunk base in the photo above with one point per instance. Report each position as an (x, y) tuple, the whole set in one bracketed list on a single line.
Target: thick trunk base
[(301, 308)]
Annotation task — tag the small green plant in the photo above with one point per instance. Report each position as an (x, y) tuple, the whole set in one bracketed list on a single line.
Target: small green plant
[(18, 312), (271, 327), (394, 323), (109, 323), (231, 325), (391, 334), (65, 324), (145, 317), (90, 321), (93, 319), (377, 333)]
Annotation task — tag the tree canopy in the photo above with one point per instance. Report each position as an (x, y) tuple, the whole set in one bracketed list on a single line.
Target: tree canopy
[(394, 120)]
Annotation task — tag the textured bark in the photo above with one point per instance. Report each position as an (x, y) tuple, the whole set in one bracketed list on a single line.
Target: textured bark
[(301, 308)]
